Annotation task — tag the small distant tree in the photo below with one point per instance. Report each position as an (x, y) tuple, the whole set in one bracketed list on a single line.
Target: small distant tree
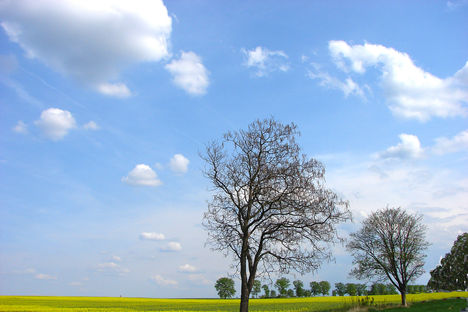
[(334, 292), (390, 246), (351, 289), (315, 288), (307, 293), (299, 288), (324, 288), (282, 284), (257, 288), (361, 289), (290, 293), (416, 289), (379, 289), (273, 293), (225, 287), (452, 273), (266, 290), (340, 289)]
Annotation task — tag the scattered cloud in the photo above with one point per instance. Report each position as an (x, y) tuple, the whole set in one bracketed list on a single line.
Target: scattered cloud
[(152, 236), (21, 92), (116, 258), (55, 123), (42, 276), (91, 126), (76, 284), (172, 246), (163, 281), (187, 268), (107, 36), (117, 90), (189, 73), (410, 91), (455, 4), (179, 163), (265, 61), (142, 175), (199, 279), (408, 148), (445, 145), (112, 267), (348, 87), (439, 194), (20, 128)]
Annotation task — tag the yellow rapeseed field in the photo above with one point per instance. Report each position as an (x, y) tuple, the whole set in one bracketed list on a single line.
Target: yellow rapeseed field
[(105, 304)]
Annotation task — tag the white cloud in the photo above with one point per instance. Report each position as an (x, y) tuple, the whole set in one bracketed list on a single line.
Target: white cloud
[(187, 268), (189, 73), (142, 175), (163, 281), (172, 246), (55, 123), (116, 258), (117, 89), (108, 265), (199, 279), (42, 276), (439, 194), (408, 148), (410, 91), (76, 284), (152, 236), (265, 61), (348, 87), (91, 126), (445, 145), (94, 41), (179, 163), (455, 4), (21, 128), (112, 267)]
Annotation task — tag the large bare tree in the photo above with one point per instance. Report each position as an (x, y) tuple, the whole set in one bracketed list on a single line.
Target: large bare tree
[(270, 210), (390, 246)]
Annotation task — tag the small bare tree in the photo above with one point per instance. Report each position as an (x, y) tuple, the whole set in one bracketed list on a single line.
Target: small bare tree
[(390, 245), (270, 208)]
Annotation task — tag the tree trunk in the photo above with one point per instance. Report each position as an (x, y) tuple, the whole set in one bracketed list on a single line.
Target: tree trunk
[(403, 298), (244, 304), (245, 291)]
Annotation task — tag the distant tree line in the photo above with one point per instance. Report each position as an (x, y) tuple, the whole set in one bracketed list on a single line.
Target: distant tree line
[(283, 288)]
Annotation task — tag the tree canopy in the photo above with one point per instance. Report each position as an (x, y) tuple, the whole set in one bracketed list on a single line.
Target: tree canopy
[(389, 246), (270, 209), (452, 273), (225, 287)]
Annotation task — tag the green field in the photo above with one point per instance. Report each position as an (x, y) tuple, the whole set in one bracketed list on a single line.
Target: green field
[(451, 305), (99, 304)]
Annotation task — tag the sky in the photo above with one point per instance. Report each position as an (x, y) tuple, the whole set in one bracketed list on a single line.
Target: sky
[(105, 107)]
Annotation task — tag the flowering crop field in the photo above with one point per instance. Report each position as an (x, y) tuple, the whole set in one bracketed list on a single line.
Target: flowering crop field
[(105, 304)]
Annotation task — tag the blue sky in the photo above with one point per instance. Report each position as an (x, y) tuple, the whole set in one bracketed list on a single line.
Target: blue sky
[(106, 105)]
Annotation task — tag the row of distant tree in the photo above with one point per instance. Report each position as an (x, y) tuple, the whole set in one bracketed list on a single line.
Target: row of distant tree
[(283, 288)]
